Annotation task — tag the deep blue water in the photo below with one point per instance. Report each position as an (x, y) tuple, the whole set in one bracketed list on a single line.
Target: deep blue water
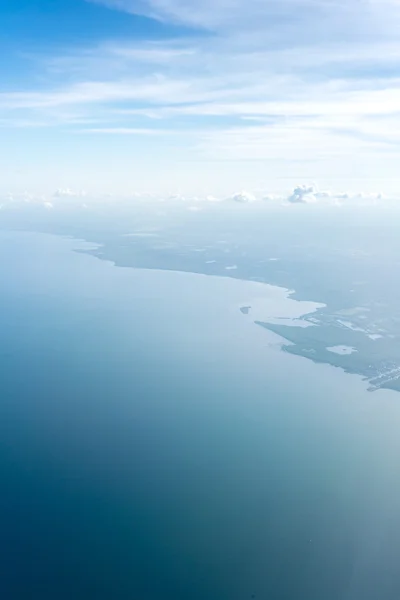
[(155, 444)]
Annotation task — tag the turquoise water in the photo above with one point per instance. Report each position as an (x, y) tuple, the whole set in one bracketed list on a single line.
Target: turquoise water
[(156, 444)]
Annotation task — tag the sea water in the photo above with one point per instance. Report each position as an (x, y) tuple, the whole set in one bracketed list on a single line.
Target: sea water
[(156, 444)]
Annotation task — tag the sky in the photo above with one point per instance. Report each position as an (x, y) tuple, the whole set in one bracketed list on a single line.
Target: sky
[(199, 96)]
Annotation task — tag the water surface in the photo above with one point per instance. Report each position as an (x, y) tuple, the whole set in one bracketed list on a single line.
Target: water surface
[(156, 444)]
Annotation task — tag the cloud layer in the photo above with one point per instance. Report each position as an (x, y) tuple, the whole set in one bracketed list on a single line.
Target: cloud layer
[(303, 195)]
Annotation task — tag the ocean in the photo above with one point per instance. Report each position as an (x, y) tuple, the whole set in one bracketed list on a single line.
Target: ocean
[(156, 444)]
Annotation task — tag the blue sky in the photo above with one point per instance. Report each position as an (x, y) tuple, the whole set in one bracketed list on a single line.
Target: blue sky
[(199, 96)]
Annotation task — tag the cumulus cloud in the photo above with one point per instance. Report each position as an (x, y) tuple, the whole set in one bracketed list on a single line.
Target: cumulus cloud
[(22, 200), (310, 194), (28, 198), (243, 198), (210, 198), (303, 194), (68, 193), (367, 199)]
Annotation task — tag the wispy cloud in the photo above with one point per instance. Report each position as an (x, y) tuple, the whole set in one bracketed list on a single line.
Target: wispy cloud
[(269, 80), (228, 14), (136, 131)]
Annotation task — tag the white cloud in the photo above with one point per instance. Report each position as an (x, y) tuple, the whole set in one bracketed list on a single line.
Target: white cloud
[(306, 194), (24, 200), (231, 14), (211, 198), (307, 89), (135, 131), (310, 194), (303, 194), (68, 193), (243, 198)]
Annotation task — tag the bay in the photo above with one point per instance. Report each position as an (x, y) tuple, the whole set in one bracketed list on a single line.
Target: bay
[(155, 443)]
